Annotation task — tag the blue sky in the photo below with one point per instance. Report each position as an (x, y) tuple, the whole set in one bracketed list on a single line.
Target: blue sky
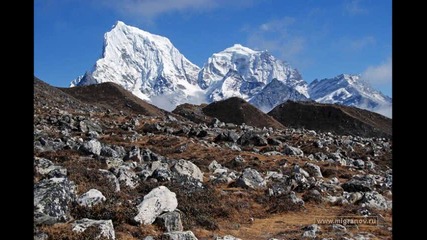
[(320, 38)]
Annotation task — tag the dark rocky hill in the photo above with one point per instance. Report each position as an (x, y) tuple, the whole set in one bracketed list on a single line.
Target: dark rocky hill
[(236, 110), (113, 96), (333, 118)]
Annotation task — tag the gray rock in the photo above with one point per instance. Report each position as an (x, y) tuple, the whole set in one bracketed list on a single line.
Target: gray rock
[(355, 185), (47, 168), (134, 154), (91, 198), (227, 136), (251, 138), (313, 169), (107, 151), (364, 236), (214, 165), (92, 146), (179, 235), (227, 237), (353, 197), (320, 156), (87, 126), (170, 221), (128, 177), (40, 236), (251, 178), (106, 228), (156, 169), (52, 198), (148, 155), (295, 199), (338, 228), (375, 200), (187, 168), (298, 169), (111, 178), (114, 162), (156, 202), (293, 151), (310, 231), (359, 163)]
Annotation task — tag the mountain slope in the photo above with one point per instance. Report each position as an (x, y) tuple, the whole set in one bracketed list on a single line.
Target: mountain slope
[(113, 96), (145, 64), (236, 110), (333, 118), (348, 90)]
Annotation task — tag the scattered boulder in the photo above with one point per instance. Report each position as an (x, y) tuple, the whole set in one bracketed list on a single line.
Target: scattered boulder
[(52, 199), (47, 168), (111, 178), (251, 178), (156, 202), (375, 200), (313, 170), (293, 151), (187, 168), (251, 138), (126, 176), (179, 235), (134, 154), (227, 136), (170, 221), (105, 227), (91, 198), (355, 185), (89, 126), (227, 237), (92, 146), (310, 231)]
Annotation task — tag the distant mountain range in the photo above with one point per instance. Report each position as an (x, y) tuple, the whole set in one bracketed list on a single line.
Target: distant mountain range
[(150, 67)]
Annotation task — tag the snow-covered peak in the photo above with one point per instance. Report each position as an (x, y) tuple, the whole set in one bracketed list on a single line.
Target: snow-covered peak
[(145, 64), (350, 90), (256, 68), (238, 48)]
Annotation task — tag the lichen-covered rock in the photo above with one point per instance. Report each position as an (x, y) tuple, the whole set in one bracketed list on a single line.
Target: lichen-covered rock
[(170, 221), (187, 168), (91, 198), (105, 227), (251, 178), (179, 235), (52, 199), (127, 176), (375, 200), (47, 168), (156, 202), (111, 178), (92, 146), (293, 151), (313, 169)]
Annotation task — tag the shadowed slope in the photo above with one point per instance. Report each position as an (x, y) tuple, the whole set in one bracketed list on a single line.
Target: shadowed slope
[(238, 111), (338, 119)]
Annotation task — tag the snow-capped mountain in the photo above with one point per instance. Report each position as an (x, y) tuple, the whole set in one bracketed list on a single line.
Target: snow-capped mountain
[(145, 64), (275, 93), (150, 67), (348, 90), (243, 72)]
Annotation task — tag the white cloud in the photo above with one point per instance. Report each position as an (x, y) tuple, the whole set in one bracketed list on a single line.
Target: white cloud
[(150, 9), (379, 74), (353, 7), (277, 36), (358, 44)]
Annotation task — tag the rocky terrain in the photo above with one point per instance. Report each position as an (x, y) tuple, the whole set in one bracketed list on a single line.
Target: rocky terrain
[(104, 170)]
